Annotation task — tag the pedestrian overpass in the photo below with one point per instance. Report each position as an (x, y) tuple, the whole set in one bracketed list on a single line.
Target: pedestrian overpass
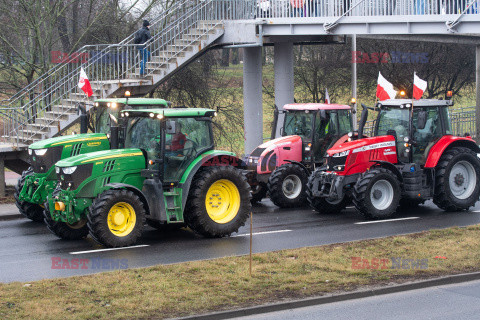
[(48, 106)]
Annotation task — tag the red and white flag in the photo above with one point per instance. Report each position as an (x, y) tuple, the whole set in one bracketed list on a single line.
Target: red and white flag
[(327, 97), (419, 87), (385, 89), (84, 84)]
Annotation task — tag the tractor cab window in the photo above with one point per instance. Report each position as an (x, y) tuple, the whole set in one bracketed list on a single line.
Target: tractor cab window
[(298, 123), (425, 138), (145, 134), (326, 131), (396, 119), (187, 139), (344, 122), (102, 124)]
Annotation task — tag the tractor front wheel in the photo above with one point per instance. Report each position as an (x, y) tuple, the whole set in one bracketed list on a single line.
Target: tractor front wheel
[(286, 186), (457, 180), (259, 192), (377, 194), (218, 202), (116, 218), (65, 230), (29, 210)]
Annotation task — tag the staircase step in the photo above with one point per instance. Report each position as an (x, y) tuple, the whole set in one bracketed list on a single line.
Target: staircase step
[(26, 134), (171, 54), (190, 37), (157, 59), (192, 42), (60, 108), (54, 116), (47, 121), (179, 48), (74, 102), (79, 96), (40, 127)]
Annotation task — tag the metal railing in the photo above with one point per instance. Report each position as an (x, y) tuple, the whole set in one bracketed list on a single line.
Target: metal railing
[(462, 122)]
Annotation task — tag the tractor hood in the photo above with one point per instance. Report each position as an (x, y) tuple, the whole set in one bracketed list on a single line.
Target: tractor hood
[(100, 156), (70, 139), (362, 144), (279, 142)]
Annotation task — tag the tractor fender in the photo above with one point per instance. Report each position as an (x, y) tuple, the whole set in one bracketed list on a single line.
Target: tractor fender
[(212, 158), (447, 142), (389, 166), (301, 166), (135, 190)]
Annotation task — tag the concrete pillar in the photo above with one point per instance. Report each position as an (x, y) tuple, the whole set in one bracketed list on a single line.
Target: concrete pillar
[(252, 98), (477, 84), (2, 177), (283, 67), (354, 80)]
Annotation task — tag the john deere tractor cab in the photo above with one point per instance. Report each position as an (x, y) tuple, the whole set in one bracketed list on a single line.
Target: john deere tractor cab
[(168, 173), (281, 166), (413, 157), (40, 179)]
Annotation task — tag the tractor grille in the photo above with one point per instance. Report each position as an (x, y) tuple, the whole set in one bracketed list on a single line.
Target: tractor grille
[(42, 164), (74, 180), (336, 163)]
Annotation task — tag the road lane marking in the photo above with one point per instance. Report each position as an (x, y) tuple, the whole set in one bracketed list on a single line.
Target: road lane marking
[(259, 233), (389, 220), (109, 249)]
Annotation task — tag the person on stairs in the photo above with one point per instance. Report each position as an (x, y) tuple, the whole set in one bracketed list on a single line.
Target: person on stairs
[(143, 36)]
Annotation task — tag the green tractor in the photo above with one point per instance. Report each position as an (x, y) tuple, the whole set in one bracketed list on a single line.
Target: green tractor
[(40, 179), (167, 174)]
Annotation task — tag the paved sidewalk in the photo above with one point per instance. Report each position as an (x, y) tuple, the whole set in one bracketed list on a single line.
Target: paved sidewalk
[(9, 211)]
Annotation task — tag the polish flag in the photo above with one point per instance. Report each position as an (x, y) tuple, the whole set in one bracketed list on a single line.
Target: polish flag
[(327, 97), (419, 86), (84, 84), (385, 89)]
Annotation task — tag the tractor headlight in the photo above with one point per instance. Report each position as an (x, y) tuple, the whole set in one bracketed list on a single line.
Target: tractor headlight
[(30, 151), (341, 154), (57, 170), (41, 152), (69, 170)]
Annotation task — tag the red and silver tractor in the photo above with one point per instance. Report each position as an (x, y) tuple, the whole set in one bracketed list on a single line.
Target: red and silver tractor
[(281, 166), (412, 157)]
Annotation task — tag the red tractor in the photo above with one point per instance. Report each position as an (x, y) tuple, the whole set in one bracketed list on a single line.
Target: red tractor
[(412, 157), (281, 166)]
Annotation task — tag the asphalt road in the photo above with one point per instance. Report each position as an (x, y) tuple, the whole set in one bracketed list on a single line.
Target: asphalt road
[(455, 302), (28, 251)]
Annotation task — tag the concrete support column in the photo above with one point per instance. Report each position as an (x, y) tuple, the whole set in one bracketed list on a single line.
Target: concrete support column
[(252, 98), (2, 177), (283, 67), (354, 80), (477, 84)]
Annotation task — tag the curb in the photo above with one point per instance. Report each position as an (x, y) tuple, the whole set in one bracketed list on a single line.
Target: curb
[(336, 298), (12, 216)]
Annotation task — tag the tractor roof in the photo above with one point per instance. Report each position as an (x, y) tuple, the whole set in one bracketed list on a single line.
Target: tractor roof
[(136, 101), (171, 112), (315, 106), (416, 103)]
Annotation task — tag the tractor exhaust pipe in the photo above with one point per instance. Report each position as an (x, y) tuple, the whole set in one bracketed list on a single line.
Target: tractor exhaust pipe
[(83, 118), (363, 121)]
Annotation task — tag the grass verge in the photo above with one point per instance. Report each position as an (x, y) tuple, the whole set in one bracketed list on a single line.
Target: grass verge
[(221, 284)]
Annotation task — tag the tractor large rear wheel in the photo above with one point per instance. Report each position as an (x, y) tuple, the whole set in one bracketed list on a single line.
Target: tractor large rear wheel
[(218, 202), (29, 210), (322, 205), (457, 176), (286, 186), (377, 193), (116, 218), (65, 230)]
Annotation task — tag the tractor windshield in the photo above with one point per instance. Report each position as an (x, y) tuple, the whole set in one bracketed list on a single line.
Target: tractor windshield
[(393, 119), (103, 120), (144, 133), (298, 123)]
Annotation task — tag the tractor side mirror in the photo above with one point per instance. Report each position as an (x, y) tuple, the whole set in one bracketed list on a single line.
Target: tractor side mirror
[(323, 115), (170, 127), (421, 119)]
